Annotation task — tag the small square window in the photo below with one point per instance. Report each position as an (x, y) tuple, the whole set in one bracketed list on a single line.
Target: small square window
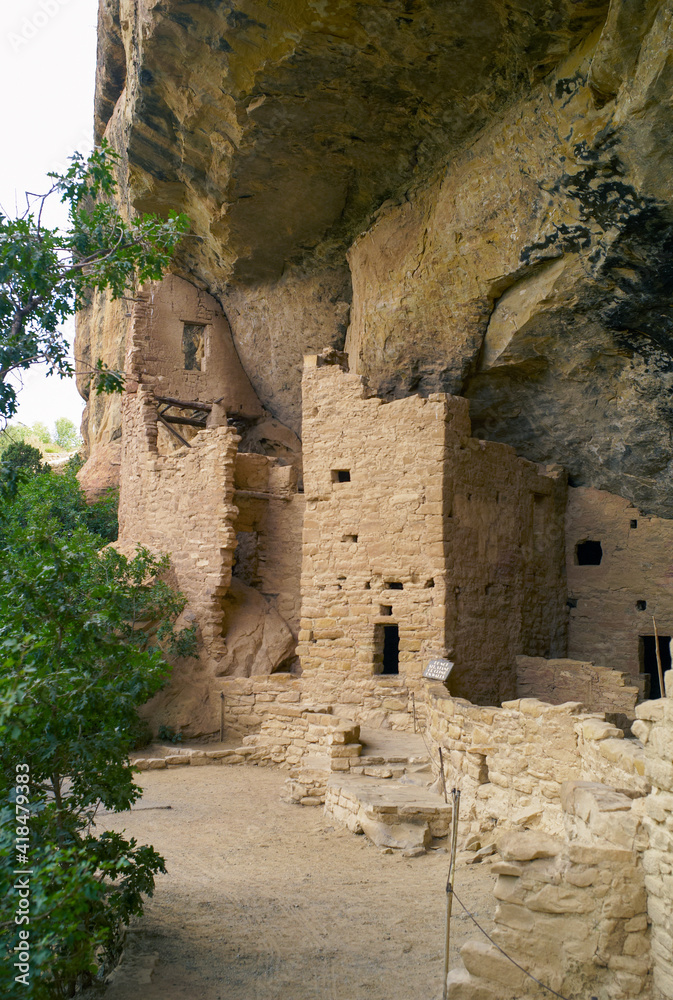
[(588, 553), (385, 609), (341, 476), (634, 523), (641, 605)]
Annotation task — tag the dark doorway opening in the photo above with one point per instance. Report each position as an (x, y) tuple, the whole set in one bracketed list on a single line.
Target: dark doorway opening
[(589, 553), (648, 662), (386, 646)]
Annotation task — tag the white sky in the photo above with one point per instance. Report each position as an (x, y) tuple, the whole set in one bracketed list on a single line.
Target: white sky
[(47, 72)]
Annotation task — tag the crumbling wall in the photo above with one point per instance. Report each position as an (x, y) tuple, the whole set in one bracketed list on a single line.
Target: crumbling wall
[(612, 603), (412, 524), (269, 530), (181, 504), (600, 689), (655, 728), (571, 909), (160, 356), (511, 762)]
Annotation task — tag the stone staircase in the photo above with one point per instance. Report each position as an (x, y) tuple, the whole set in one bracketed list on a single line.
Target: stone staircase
[(386, 794)]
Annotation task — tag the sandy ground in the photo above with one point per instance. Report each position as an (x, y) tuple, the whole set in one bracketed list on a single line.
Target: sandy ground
[(268, 901)]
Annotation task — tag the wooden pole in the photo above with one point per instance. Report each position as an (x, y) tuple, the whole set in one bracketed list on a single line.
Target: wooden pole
[(441, 772), (221, 716), (455, 799), (661, 672), (413, 705), (173, 431)]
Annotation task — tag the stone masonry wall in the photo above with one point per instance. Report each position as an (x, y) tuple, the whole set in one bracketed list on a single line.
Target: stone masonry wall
[(655, 729), (156, 355), (511, 762), (410, 523), (181, 504), (612, 603), (600, 689), (571, 909)]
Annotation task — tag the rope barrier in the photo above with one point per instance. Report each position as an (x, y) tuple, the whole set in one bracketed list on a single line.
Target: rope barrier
[(508, 957)]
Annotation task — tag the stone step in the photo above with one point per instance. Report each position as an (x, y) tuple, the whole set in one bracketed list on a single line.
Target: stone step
[(389, 813)]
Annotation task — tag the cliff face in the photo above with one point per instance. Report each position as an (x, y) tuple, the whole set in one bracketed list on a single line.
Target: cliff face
[(472, 198)]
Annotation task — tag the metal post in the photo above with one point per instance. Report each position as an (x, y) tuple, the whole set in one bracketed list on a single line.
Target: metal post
[(662, 690), (455, 799), (221, 716)]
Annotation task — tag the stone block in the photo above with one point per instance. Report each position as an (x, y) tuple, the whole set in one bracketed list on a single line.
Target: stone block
[(461, 985), (482, 960), (527, 845)]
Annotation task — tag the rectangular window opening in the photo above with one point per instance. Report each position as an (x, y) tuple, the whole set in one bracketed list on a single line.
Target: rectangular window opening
[(341, 476), (393, 585), (194, 346), (385, 609), (648, 661)]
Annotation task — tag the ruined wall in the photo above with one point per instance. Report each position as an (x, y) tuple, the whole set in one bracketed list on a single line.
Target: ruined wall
[(655, 729), (600, 689), (511, 762), (161, 357), (410, 523), (571, 910), (181, 504), (612, 603)]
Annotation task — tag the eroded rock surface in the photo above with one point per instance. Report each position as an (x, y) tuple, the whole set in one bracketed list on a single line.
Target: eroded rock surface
[(493, 183)]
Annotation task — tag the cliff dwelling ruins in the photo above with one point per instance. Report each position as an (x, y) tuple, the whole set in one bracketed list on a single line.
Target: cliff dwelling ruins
[(406, 397)]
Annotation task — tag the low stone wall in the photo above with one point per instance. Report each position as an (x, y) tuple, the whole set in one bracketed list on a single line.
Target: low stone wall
[(655, 729), (510, 762), (248, 700), (375, 700), (600, 689), (571, 910)]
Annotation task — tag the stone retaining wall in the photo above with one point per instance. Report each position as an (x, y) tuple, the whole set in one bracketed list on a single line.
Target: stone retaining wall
[(571, 910), (655, 729), (510, 762)]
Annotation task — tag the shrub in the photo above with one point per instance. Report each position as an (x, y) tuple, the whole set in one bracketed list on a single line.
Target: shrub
[(83, 633)]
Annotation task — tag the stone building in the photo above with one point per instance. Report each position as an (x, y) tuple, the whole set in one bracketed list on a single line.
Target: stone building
[(420, 541)]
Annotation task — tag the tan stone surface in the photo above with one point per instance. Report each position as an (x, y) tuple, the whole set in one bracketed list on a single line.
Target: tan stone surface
[(434, 532), (557, 681), (636, 565)]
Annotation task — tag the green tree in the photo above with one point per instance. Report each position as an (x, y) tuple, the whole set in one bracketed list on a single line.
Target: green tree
[(46, 274), (84, 634), (66, 434), (19, 463), (41, 432)]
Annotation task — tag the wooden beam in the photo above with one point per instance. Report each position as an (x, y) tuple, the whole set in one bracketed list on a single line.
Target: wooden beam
[(189, 421), (186, 404), (173, 431)]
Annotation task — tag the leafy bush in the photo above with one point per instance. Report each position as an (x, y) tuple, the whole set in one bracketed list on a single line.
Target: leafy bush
[(54, 499), (168, 734), (84, 634), (81, 633)]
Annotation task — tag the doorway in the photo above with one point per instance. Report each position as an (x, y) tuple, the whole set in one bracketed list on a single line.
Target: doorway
[(648, 661), (387, 649)]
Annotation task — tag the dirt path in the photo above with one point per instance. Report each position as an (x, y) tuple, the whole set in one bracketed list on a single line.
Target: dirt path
[(268, 901)]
